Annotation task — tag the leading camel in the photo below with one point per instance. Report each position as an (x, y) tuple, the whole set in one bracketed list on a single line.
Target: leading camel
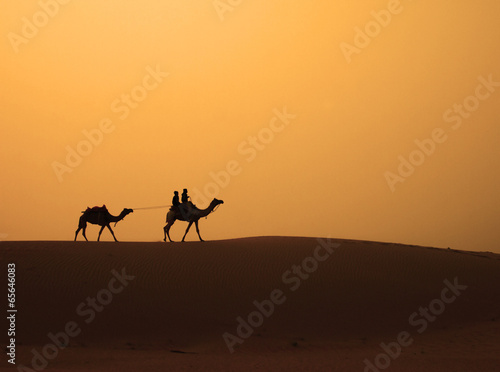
[(189, 213), (99, 216)]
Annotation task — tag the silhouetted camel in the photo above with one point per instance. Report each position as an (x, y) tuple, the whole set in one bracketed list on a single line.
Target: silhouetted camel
[(189, 213), (101, 217)]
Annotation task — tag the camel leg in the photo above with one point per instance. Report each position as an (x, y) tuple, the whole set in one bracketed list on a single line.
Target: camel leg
[(100, 232), (77, 231), (166, 232), (198, 231), (112, 233), (82, 224), (189, 226), (83, 232)]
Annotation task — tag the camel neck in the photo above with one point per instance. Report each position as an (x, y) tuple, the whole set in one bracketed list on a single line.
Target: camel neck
[(205, 212), (115, 218)]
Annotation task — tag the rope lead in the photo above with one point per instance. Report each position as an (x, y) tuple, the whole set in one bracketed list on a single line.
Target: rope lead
[(157, 207)]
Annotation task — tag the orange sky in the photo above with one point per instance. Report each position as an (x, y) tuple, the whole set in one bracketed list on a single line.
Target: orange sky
[(318, 107)]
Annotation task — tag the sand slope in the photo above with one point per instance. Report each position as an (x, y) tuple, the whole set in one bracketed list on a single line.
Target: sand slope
[(184, 297)]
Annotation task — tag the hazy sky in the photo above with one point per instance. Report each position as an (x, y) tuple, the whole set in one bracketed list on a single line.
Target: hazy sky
[(373, 120)]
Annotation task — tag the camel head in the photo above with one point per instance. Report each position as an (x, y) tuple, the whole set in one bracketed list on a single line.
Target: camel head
[(216, 202), (124, 213)]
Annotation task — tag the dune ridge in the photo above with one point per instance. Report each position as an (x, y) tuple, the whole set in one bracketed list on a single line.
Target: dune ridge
[(184, 297)]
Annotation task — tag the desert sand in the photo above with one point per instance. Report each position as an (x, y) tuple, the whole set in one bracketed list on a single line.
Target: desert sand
[(315, 305)]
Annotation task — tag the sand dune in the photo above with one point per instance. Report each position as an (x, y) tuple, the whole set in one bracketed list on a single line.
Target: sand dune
[(314, 304)]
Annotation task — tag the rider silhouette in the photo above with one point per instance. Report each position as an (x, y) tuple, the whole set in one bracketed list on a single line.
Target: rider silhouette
[(175, 199), (185, 197)]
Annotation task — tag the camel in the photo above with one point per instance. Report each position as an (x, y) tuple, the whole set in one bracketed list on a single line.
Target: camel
[(190, 213), (99, 216)]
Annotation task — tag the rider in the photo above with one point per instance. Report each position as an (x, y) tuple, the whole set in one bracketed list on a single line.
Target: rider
[(185, 198), (175, 199)]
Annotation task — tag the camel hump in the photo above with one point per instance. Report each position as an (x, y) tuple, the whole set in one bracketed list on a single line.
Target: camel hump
[(96, 209)]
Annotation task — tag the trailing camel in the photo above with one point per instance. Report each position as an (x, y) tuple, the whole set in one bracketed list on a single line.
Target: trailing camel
[(99, 216)]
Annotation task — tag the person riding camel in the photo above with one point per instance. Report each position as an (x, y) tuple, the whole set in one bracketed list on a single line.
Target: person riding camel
[(185, 198), (175, 200)]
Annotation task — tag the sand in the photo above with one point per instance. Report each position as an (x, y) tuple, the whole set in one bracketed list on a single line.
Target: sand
[(305, 305)]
